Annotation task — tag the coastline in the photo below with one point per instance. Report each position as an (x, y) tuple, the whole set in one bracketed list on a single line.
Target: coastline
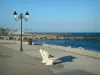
[(79, 50), (86, 44), (87, 64), (74, 61), (47, 37)]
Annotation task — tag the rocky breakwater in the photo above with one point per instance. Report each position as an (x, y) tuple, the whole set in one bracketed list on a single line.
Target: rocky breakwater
[(48, 37)]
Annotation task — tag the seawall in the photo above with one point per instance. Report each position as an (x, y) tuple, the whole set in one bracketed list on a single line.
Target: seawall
[(79, 50), (12, 41)]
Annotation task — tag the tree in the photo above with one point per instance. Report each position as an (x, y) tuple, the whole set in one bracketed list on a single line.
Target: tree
[(4, 31)]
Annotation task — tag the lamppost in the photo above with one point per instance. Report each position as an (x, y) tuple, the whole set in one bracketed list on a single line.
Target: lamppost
[(20, 17)]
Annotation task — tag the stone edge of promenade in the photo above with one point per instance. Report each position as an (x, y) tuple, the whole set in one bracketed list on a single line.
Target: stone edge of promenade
[(79, 50), (12, 41)]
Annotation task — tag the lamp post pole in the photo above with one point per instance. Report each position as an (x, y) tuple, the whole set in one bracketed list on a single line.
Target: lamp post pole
[(21, 47), (21, 16)]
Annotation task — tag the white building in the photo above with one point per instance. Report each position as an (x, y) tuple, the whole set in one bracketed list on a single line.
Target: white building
[(15, 33)]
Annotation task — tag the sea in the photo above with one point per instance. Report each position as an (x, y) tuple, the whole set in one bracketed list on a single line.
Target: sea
[(93, 45)]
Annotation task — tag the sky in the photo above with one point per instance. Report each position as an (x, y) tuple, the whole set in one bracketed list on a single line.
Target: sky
[(52, 15)]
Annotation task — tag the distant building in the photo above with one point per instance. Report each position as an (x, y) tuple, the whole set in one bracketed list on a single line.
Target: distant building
[(15, 33)]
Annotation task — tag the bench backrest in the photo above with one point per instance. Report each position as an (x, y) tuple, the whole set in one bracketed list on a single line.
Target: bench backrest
[(42, 53), (46, 54)]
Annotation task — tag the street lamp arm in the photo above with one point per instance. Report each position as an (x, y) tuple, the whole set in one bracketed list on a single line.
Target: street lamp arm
[(25, 18), (21, 17)]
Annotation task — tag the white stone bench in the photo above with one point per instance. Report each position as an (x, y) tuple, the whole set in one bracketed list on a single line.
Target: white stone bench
[(43, 56), (46, 59)]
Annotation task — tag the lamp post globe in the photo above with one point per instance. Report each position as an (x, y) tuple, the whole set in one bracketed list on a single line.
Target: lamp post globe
[(15, 14), (27, 14)]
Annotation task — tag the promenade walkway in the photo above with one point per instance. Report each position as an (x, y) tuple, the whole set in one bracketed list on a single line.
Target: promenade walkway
[(71, 63), (14, 62)]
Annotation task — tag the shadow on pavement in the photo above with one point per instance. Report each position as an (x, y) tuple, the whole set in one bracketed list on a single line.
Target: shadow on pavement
[(65, 59)]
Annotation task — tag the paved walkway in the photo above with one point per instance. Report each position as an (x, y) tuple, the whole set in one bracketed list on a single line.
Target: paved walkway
[(14, 62), (72, 64)]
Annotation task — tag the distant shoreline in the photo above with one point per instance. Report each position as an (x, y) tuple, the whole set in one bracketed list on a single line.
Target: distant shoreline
[(47, 37)]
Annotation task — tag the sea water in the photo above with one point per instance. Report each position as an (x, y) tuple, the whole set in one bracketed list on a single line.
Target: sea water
[(86, 44)]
